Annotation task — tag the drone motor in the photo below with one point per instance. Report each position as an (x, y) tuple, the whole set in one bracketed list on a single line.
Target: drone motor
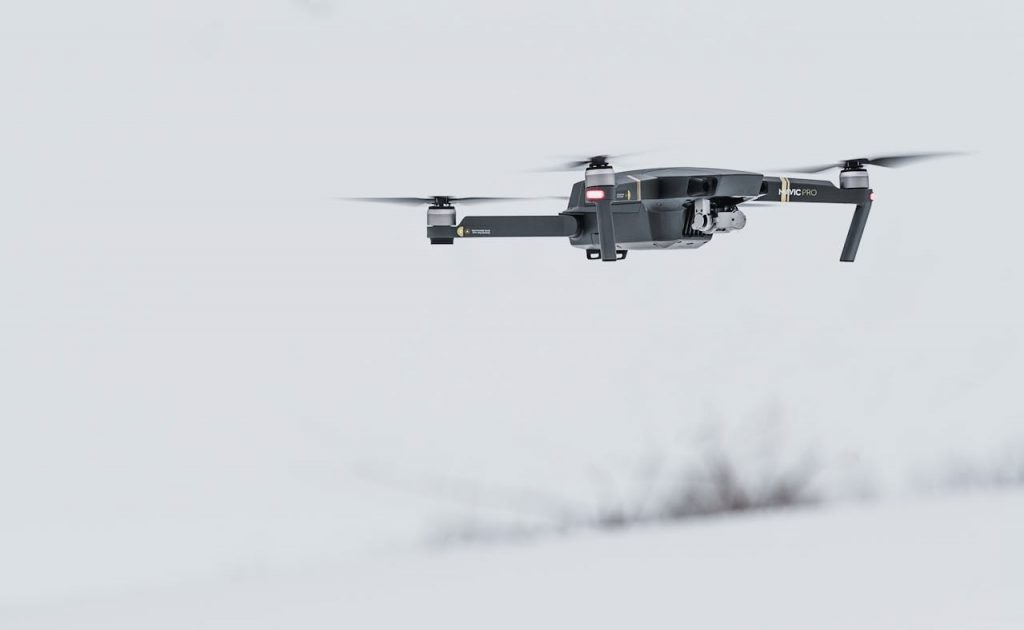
[(441, 214), (854, 178)]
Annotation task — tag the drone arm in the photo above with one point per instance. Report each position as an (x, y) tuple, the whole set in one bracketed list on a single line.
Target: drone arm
[(506, 226), (785, 190)]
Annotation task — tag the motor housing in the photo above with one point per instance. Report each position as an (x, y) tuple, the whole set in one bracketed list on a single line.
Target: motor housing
[(854, 178), (441, 215)]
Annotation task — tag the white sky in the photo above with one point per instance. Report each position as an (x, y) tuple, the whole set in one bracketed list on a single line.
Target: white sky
[(200, 350)]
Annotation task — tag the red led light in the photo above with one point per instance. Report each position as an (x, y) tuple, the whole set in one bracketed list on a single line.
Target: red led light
[(595, 194), (872, 196)]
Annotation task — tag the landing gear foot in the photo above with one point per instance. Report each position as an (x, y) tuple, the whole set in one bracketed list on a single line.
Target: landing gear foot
[(595, 254)]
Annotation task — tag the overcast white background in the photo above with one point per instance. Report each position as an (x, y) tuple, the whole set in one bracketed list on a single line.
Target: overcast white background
[(207, 364)]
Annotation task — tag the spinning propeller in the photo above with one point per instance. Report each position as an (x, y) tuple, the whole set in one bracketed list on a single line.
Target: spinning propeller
[(594, 161), (886, 161), (443, 201)]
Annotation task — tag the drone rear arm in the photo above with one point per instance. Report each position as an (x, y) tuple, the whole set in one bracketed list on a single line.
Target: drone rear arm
[(504, 226)]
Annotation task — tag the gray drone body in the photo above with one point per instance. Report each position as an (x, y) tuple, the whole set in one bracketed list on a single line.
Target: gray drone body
[(609, 214), (666, 208)]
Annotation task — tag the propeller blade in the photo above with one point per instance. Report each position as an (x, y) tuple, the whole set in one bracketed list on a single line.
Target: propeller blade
[(885, 161), (807, 169), (573, 165), (407, 201), (446, 199), (594, 160), (895, 161), (475, 200)]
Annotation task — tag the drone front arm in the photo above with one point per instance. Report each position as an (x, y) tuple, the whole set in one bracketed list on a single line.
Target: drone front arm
[(786, 190), (504, 226)]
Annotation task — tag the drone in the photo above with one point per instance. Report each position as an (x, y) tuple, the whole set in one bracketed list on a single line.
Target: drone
[(610, 214)]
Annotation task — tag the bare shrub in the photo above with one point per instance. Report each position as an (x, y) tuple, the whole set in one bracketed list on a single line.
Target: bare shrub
[(716, 486), (711, 476)]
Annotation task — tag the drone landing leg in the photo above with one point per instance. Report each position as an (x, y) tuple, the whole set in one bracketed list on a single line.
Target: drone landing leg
[(860, 220), (606, 230)]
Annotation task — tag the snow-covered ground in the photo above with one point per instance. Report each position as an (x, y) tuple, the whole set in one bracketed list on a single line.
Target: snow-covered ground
[(950, 562)]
